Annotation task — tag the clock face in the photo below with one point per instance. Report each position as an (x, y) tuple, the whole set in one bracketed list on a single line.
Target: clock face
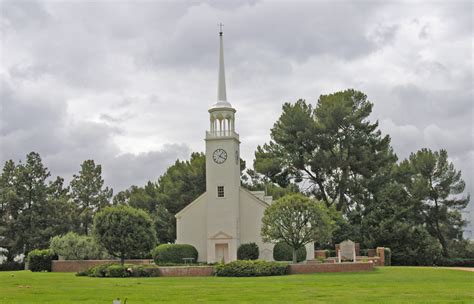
[(219, 156)]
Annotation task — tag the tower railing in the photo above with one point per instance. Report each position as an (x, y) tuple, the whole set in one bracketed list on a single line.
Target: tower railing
[(221, 133)]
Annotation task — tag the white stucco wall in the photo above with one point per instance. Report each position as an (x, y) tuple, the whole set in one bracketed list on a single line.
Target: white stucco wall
[(251, 213), (191, 226)]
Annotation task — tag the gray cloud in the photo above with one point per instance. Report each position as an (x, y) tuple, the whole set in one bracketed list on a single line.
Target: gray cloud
[(128, 84)]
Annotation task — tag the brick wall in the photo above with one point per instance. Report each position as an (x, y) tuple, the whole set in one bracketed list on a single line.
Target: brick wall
[(320, 254), (337, 267), (381, 255), (83, 265), (168, 271), (186, 271)]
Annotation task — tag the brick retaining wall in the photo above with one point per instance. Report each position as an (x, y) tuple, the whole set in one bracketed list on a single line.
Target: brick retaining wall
[(83, 265), (167, 271), (191, 271), (186, 271), (326, 267)]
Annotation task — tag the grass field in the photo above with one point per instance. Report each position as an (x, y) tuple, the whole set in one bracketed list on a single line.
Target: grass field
[(384, 285)]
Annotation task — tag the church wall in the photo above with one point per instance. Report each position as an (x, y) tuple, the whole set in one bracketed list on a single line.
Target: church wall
[(251, 213), (191, 226)]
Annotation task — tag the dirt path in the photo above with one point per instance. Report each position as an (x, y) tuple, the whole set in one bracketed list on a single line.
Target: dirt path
[(471, 269)]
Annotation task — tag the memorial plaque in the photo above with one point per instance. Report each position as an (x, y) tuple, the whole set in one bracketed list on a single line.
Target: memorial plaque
[(347, 249)]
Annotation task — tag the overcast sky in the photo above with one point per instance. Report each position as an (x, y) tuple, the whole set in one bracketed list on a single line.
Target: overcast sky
[(128, 84)]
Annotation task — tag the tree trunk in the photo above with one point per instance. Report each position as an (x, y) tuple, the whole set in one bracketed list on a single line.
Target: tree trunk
[(439, 234), (442, 241), (294, 256), (122, 260)]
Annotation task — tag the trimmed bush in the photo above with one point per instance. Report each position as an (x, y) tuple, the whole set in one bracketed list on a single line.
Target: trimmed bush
[(174, 253), (283, 252), (247, 252), (40, 260), (388, 256), (248, 268)]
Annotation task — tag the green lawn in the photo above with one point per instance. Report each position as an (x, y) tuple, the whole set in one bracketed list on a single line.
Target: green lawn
[(384, 285)]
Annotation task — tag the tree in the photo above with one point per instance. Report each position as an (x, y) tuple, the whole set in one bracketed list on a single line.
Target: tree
[(333, 147), (182, 183), (33, 210), (9, 208), (146, 198), (296, 220), (88, 193), (254, 181), (73, 246), (435, 186), (124, 231)]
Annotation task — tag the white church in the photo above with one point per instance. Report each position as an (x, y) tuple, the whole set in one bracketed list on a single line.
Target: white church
[(226, 215)]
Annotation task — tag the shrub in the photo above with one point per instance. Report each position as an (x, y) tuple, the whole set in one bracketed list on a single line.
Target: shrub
[(247, 252), (117, 271), (98, 271), (174, 253), (248, 268), (40, 260), (283, 252), (11, 266), (418, 248), (455, 262), (72, 246), (388, 256)]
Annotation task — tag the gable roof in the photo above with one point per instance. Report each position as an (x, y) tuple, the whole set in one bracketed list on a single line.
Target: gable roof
[(242, 190), (254, 198), (178, 215)]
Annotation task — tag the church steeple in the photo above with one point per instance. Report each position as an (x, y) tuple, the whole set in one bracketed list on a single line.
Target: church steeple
[(221, 88), (221, 93), (222, 114)]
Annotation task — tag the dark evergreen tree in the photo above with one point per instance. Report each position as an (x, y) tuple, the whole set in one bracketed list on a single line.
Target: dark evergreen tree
[(333, 147), (89, 194)]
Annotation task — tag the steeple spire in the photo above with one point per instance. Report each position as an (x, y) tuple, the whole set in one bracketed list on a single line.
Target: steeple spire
[(221, 92), (221, 89)]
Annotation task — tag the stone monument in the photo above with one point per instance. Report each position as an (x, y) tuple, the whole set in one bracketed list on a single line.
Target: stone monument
[(346, 251)]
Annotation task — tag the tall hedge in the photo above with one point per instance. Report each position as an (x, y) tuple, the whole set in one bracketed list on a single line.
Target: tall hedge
[(283, 252), (40, 260), (174, 253), (247, 252)]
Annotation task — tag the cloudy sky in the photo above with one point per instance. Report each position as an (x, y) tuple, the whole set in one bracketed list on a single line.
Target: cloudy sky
[(128, 83)]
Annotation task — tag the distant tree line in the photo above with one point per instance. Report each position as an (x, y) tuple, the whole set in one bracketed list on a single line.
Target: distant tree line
[(330, 152)]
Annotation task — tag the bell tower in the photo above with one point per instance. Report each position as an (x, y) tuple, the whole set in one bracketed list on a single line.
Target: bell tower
[(222, 174)]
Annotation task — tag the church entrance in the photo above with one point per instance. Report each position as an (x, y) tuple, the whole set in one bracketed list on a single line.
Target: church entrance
[(222, 252)]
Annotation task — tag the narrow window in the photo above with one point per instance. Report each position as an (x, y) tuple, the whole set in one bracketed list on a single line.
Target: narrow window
[(220, 191)]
